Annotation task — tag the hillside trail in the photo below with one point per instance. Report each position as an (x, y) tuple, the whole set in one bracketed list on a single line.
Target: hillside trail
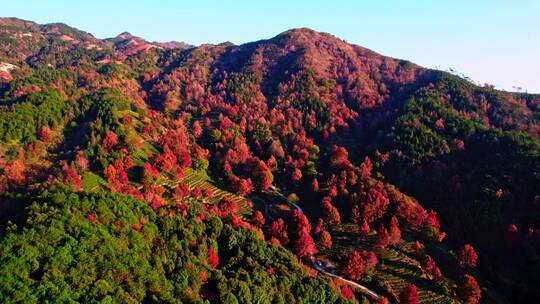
[(318, 264)]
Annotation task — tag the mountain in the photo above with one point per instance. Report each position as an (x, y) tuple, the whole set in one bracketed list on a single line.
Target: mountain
[(128, 44), (136, 171)]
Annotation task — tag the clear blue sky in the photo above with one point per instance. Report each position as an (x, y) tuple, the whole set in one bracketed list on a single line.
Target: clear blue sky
[(495, 41)]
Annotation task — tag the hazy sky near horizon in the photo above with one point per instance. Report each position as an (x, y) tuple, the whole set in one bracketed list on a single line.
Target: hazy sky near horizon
[(495, 42)]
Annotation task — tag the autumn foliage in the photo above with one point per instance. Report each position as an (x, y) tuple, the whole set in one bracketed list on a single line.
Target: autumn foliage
[(213, 259), (467, 256), (468, 290), (352, 265), (334, 128), (409, 295)]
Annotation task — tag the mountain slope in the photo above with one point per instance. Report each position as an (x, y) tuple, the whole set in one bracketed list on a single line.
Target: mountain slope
[(335, 126)]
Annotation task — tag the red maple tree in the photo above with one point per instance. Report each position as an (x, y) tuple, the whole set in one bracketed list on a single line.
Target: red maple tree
[(45, 134), (468, 290), (110, 140), (304, 244), (331, 214), (352, 265), (364, 228), (409, 295), (383, 237), (467, 256), (429, 266), (213, 259), (324, 240), (258, 219)]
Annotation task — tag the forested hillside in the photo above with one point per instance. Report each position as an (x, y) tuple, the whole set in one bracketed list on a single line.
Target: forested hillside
[(298, 169)]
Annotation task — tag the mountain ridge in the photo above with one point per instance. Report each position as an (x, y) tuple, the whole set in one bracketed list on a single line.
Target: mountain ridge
[(410, 176)]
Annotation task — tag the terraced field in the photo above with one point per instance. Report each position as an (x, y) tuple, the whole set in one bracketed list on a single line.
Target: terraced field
[(397, 268), (193, 178)]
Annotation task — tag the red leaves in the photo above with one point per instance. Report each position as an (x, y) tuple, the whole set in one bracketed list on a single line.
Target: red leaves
[(431, 268), (418, 246), (409, 211), (387, 237), (375, 204), (296, 175), (468, 290), (301, 221), (196, 129), (184, 159), (180, 192), (278, 230), (116, 176), (196, 192), (92, 218), (439, 124), (395, 232), (383, 237), (382, 300), (275, 149), (261, 174), (238, 153), (370, 259), (355, 263), (432, 220), (258, 219), (364, 228), (512, 228), (365, 168), (71, 177), (315, 185), (346, 292), (352, 265), (157, 202), (275, 241), (227, 207), (45, 134), (409, 295), (110, 174), (324, 240), (339, 157), (14, 172), (81, 161), (237, 221), (150, 173), (176, 146), (110, 140), (213, 259), (331, 214), (208, 192), (242, 186), (319, 227), (127, 120), (179, 173), (467, 257), (166, 161), (304, 244)]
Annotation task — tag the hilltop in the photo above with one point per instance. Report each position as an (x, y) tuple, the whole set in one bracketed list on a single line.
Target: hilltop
[(137, 171)]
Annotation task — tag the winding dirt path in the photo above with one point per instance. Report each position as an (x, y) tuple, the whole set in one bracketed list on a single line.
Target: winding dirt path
[(318, 264)]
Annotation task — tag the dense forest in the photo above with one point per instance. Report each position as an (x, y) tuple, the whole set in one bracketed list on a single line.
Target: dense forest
[(298, 169)]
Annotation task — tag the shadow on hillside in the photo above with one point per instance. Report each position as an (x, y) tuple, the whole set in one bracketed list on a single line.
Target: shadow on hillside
[(13, 210)]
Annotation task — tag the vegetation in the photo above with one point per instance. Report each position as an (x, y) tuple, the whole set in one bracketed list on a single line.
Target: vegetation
[(98, 246), (140, 172)]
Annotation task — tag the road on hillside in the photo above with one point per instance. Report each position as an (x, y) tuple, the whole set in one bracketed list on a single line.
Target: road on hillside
[(318, 264)]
